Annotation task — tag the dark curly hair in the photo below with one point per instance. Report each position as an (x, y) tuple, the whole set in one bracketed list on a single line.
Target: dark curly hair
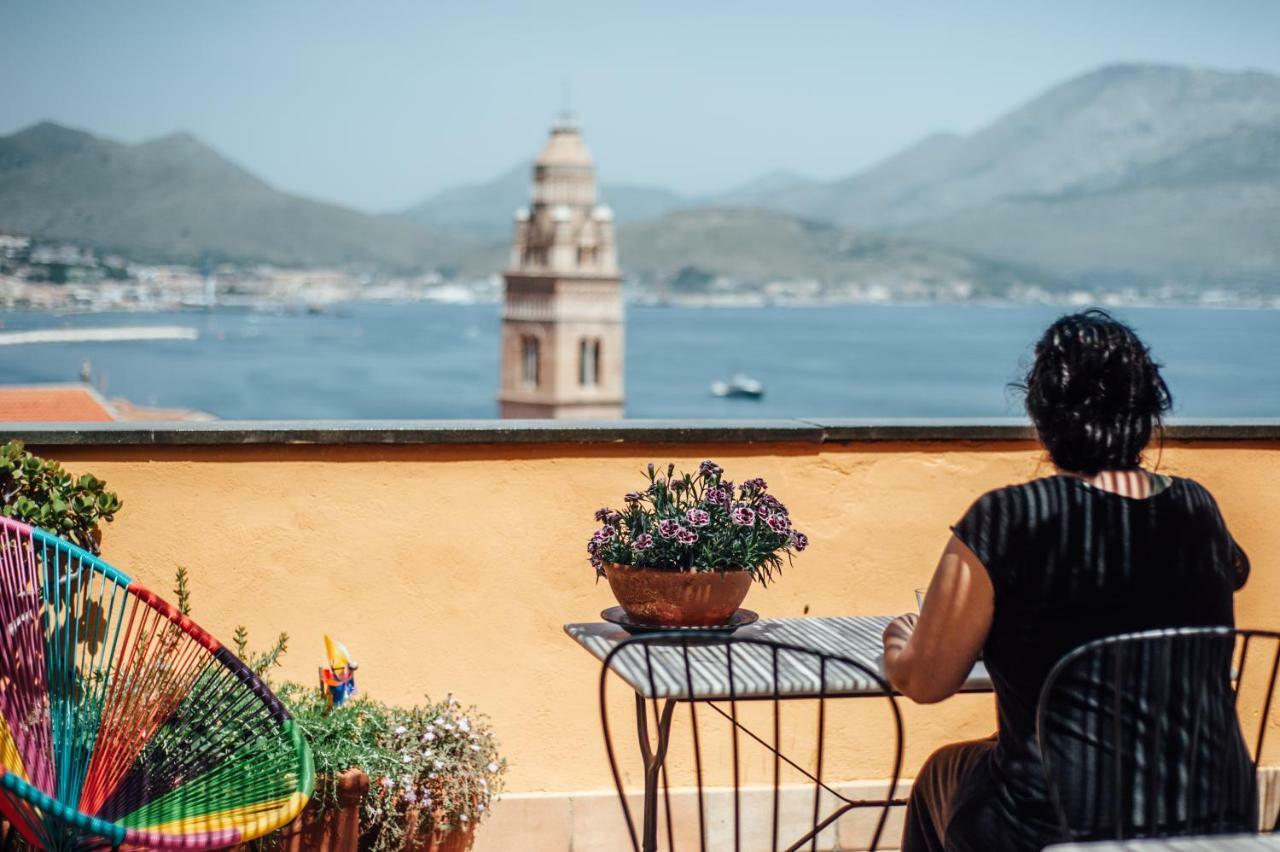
[(1094, 393)]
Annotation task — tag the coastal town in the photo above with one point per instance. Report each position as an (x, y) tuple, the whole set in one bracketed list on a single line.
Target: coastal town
[(57, 275)]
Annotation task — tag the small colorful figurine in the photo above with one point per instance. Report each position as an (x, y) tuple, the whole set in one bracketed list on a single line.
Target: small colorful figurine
[(338, 680)]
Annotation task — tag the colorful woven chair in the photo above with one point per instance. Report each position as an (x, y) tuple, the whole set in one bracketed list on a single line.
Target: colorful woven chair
[(123, 724)]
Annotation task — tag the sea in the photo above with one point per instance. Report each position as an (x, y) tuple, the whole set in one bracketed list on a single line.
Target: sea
[(425, 360)]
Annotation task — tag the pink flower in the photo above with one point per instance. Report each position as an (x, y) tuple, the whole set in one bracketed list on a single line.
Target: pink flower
[(668, 528), (743, 516), (780, 524), (686, 536), (698, 517)]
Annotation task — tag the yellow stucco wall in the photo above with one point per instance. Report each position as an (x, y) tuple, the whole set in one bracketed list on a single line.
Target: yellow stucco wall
[(452, 568)]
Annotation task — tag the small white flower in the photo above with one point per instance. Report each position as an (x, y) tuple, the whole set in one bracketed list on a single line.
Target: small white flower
[(492, 767), (406, 758), (400, 729), (475, 747), (480, 807), (439, 764), (428, 737), (464, 725), (463, 817)]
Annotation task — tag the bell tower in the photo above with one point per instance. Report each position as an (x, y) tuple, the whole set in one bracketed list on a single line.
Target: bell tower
[(562, 333)]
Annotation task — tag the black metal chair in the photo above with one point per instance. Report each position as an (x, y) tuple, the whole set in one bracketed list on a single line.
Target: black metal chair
[(1140, 734), (730, 685)]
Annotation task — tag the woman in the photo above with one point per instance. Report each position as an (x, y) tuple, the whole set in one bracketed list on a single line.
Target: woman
[(1034, 570)]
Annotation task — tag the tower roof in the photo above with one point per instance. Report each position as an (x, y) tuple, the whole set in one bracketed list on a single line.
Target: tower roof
[(565, 147)]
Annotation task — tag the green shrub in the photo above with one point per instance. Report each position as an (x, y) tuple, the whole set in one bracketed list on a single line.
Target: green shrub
[(438, 757), (39, 492)]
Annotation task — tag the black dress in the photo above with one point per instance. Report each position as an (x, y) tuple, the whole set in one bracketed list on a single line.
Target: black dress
[(1069, 563)]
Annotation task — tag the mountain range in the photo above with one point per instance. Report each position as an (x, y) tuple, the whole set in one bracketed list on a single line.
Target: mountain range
[(176, 199), (1127, 175)]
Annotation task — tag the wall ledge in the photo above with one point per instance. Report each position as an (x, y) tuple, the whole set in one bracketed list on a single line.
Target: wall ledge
[(428, 432)]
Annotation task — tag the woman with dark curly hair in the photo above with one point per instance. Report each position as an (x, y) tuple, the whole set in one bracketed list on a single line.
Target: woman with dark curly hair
[(1032, 571)]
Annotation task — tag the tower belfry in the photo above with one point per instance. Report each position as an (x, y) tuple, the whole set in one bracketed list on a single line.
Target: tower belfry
[(562, 333)]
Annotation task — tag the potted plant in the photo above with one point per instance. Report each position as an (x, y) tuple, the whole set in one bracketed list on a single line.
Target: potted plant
[(419, 779), (683, 552), (448, 770)]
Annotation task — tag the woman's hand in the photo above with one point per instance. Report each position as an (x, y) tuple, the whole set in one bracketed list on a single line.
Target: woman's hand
[(928, 657)]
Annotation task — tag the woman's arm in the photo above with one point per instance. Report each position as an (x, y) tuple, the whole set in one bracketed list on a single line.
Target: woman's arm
[(927, 659)]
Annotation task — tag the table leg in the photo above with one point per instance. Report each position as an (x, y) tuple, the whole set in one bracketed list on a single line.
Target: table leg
[(653, 756)]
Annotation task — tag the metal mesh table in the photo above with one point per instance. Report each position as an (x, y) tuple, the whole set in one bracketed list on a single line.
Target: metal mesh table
[(705, 671)]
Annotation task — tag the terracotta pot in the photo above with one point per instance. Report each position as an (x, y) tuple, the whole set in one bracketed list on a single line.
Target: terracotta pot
[(332, 830), (455, 840), (677, 598)]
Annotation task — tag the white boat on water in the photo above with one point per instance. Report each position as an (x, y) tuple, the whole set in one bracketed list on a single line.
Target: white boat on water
[(740, 386)]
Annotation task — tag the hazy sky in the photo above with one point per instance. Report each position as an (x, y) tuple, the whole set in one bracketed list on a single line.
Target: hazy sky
[(378, 104)]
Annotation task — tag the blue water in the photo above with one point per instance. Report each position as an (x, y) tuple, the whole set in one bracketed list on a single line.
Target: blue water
[(434, 361)]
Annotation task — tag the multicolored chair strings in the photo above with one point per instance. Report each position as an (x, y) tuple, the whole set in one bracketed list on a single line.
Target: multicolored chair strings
[(123, 724)]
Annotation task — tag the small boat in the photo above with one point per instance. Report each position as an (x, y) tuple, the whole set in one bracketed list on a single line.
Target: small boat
[(739, 386)]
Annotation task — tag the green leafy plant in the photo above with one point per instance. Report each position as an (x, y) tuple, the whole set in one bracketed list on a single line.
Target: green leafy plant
[(40, 492), (437, 760)]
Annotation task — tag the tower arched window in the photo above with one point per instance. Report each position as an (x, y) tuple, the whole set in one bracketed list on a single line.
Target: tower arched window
[(530, 360), (589, 362)]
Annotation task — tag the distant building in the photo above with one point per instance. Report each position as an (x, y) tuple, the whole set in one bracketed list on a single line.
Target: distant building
[(562, 332), (78, 403)]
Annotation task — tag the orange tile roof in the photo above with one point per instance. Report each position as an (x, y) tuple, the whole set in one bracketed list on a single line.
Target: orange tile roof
[(52, 404)]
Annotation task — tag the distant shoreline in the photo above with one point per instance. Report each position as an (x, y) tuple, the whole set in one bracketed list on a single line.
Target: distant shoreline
[(1076, 299)]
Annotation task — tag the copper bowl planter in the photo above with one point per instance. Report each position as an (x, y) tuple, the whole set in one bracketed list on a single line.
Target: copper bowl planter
[(677, 598)]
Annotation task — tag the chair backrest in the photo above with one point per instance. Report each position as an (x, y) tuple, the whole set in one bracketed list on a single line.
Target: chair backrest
[(1140, 734), (753, 771), (122, 722)]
